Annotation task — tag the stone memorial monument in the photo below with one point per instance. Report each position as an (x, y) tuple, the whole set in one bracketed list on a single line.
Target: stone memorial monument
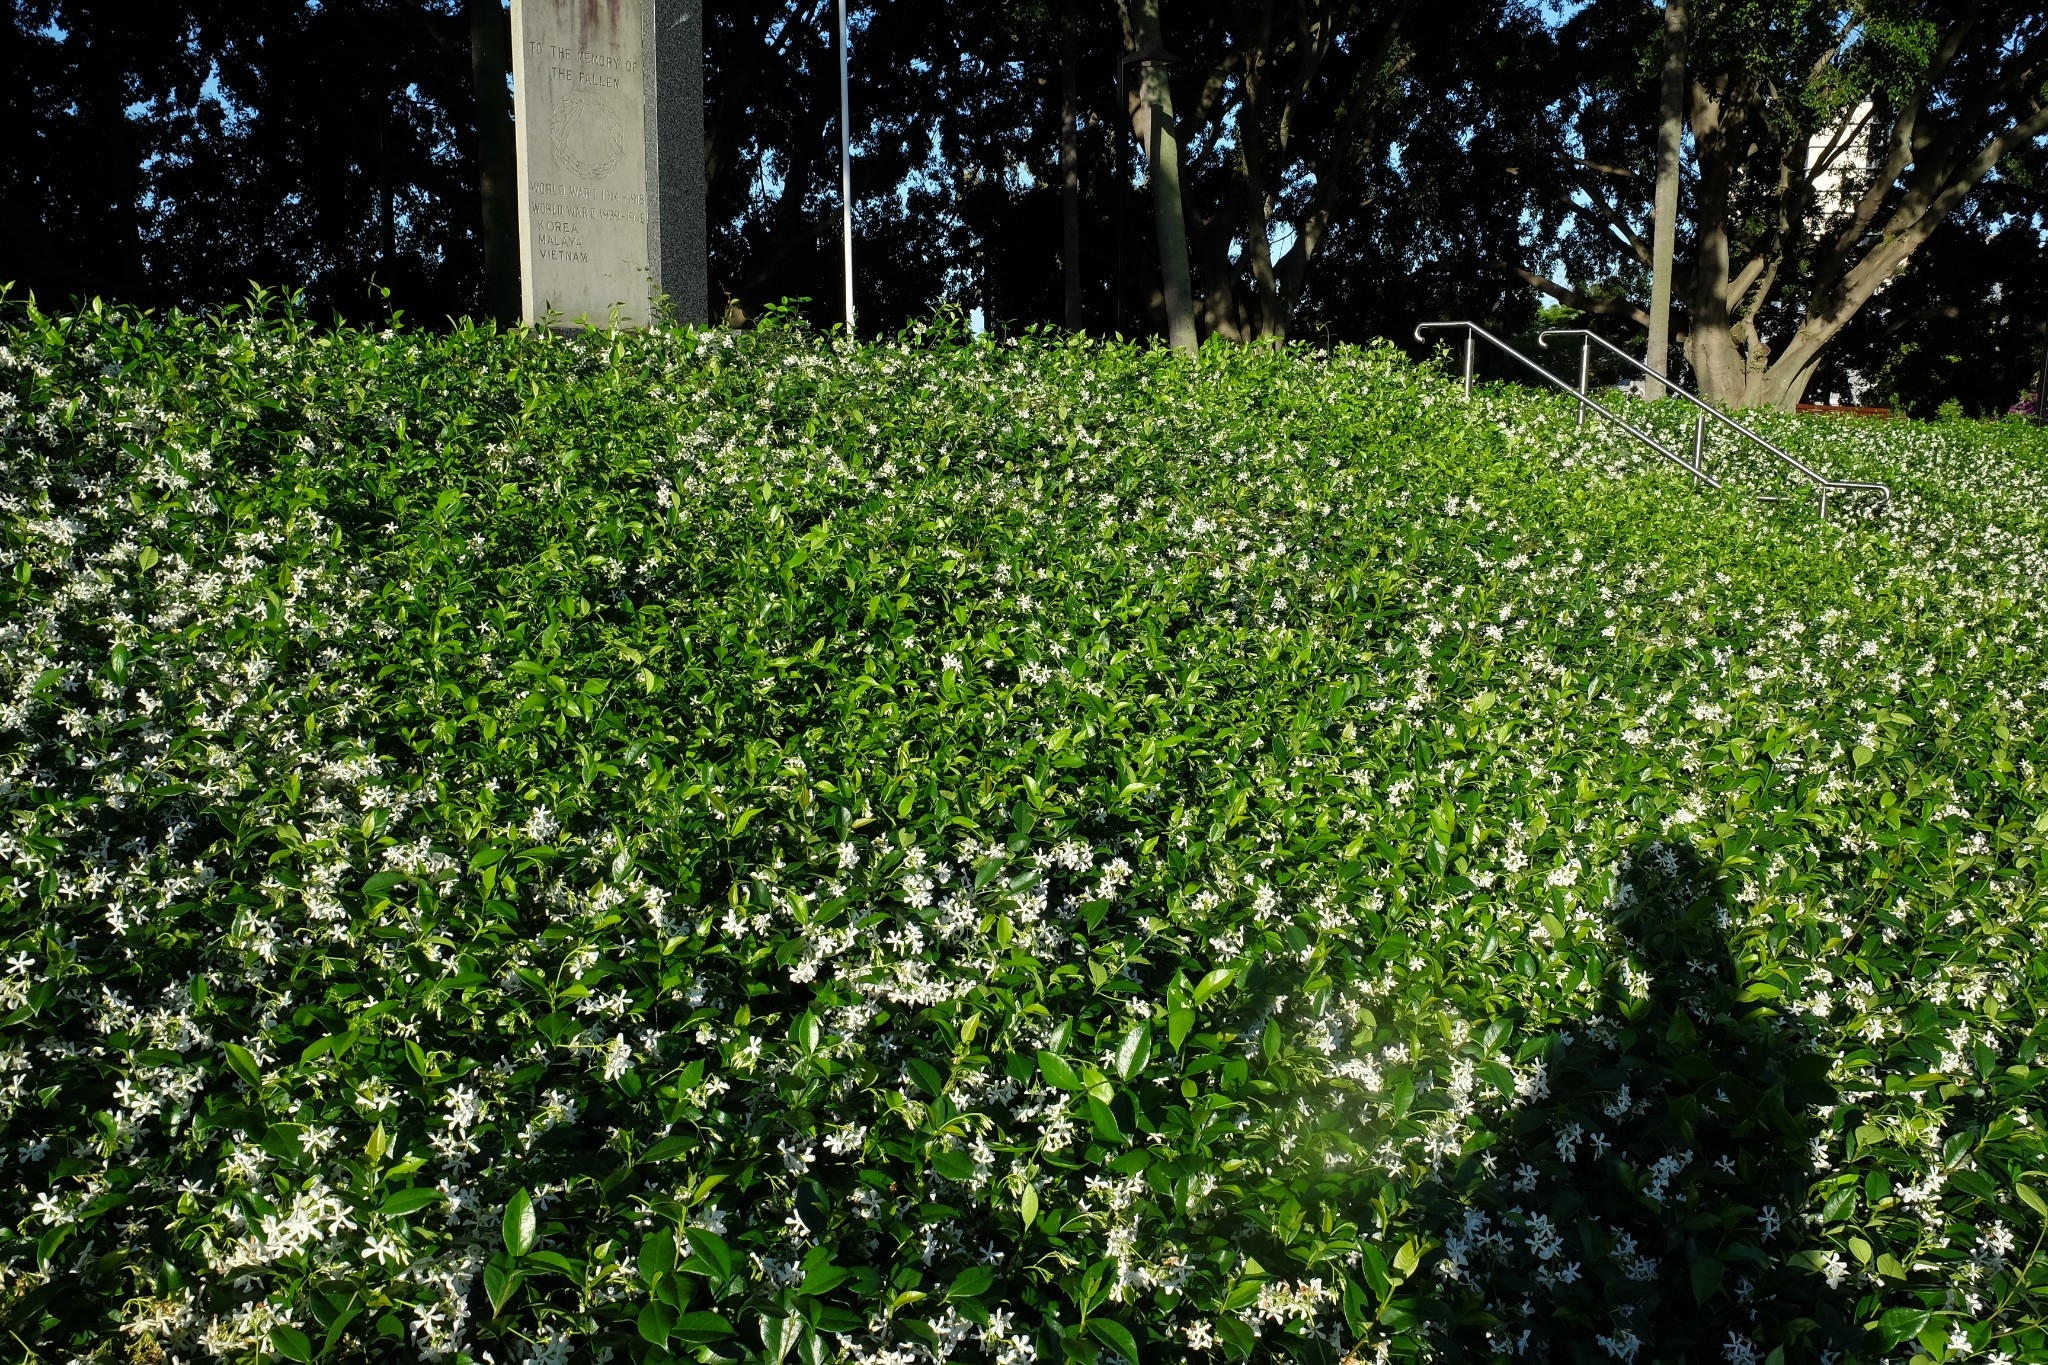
[(608, 101)]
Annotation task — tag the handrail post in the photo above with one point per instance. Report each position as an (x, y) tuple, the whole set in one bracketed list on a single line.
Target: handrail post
[(1699, 441), (1474, 333), (1585, 369), (1587, 339)]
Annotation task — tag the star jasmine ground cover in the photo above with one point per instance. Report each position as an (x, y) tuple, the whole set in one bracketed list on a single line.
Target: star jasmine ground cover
[(719, 846)]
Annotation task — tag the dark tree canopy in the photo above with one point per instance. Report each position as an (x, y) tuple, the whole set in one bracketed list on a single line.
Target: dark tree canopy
[(1350, 166), (176, 152), (1833, 146), (333, 148)]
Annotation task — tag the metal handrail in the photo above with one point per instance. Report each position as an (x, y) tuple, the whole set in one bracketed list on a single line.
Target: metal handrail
[(1473, 330), (1699, 429)]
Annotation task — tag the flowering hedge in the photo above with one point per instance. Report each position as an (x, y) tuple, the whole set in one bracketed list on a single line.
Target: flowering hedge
[(714, 846)]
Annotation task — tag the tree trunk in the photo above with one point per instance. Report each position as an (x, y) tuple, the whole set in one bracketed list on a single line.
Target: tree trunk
[(1720, 365), (490, 61), (1664, 236), (106, 254), (1152, 120), (1070, 175), (1768, 250)]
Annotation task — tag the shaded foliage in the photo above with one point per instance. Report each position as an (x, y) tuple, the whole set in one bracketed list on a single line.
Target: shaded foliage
[(175, 153)]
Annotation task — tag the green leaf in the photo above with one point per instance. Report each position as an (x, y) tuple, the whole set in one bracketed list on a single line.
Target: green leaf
[(702, 1328), (927, 1076), (668, 1149), (1057, 1072), (778, 1334), (400, 1203), (657, 1255), (1706, 1277), (1353, 1299), (518, 1225), (291, 1343), (1212, 983), (1372, 1263), (1408, 1257), (2031, 1197), (553, 1260), (1861, 753), (832, 1318), (710, 1248), (500, 1284), (657, 1322), (1116, 1336), (338, 1326), (824, 1279), (243, 1064), (47, 1244), (320, 1047), (954, 1166), (1027, 1207), (1902, 1325), (1133, 1050), (971, 1282), (1178, 1021), (1103, 1119)]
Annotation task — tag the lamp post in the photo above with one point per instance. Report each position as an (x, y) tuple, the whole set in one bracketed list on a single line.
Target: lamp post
[(845, 174), (1117, 122)]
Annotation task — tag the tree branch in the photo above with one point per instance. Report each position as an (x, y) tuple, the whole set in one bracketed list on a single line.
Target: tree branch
[(1947, 312), (1616, 224), (1585, 303), (1330, 180), (1606, 169)]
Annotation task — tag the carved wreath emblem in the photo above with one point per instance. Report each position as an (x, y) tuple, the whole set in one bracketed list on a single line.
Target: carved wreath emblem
[(586, 135)]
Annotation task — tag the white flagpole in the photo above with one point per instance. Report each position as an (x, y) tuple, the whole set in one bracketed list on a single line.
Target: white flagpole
[(845, 173)]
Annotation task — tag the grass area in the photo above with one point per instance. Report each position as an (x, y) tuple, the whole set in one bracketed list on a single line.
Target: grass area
[(714, 846)]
